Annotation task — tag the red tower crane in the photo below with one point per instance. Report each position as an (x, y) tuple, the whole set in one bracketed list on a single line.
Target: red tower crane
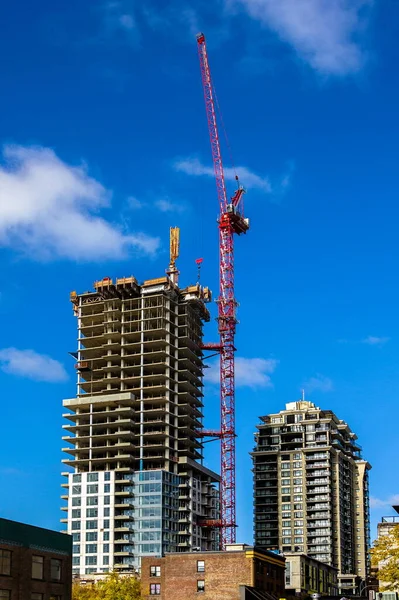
[(231, 221)]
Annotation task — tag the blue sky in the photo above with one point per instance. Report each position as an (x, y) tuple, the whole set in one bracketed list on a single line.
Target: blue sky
[(104, 145)]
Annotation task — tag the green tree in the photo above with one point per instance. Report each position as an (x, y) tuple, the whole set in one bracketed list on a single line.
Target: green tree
[(113, 587), (385, 556)]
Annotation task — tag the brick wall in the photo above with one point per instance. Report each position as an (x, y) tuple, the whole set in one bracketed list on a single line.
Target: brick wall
[(20, 582), (224, 573)]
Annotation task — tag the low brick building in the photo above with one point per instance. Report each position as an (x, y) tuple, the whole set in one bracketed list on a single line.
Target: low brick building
[(240, 573), (35, 563)]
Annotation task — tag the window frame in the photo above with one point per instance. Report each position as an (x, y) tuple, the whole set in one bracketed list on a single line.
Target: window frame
[(200, 586), (56, 562), (155, 571), (4, 560), (200, 567), (5, 597), (37, 562), (155, 589)]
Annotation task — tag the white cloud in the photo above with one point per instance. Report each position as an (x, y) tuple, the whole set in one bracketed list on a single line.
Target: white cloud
[(127, 22), (372, 340), (378, 503), (249, 179), (318, 383), (48, 209), (165, 205), (29, 364), (249, 372), (324, 33), (134, 203)]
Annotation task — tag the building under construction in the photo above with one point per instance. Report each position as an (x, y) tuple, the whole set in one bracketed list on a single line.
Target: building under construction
[(137, 484)]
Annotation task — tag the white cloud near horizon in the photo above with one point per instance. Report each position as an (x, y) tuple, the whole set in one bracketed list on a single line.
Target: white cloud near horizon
[(249, 372), (49, 210), (165, 205), (379, 503), (249, 179), (370, 340), (326, 34), (373, 340), (30, 364), (319, 383)]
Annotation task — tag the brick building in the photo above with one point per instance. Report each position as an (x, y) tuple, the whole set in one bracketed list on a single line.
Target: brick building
[(35, 563), (240, 573)]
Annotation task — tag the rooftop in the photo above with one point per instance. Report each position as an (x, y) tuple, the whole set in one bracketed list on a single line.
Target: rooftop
[(29, 536)]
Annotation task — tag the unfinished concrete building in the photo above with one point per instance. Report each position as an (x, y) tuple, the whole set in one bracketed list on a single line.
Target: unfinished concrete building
[(311, 493), (137, 485)]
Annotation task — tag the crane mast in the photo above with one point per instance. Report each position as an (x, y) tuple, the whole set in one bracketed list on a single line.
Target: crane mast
[(231, 221)]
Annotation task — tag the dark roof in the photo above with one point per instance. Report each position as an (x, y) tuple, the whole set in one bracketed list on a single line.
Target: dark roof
[(396, 508), (29, 536)]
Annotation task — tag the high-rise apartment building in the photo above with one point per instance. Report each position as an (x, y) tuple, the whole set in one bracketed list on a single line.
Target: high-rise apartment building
[(311, 488), (137, 485)]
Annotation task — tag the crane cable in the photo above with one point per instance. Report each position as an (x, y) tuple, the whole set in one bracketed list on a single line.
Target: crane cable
[(230, 152)]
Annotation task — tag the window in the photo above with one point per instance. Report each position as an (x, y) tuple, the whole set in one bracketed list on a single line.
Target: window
[(91, 525), (76, 489), (91, 536), (106, 499), (37, 567), (91, 548), (91, 512), (91, 560), (200, 566), (107, 488), (107, 476), (92, 489), (76, 537), (200, 585), (92, 501), (5, 562), (155, 589), (92, 477), (35, 596), (76, 478), (106, 548), (76, 501), (76, 549), (105, 560), (76, 513), (75, 524), (5, 594), (106, 536), (55, 569), (106, 523), (155, 571), (75, 560), (106, 512)]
